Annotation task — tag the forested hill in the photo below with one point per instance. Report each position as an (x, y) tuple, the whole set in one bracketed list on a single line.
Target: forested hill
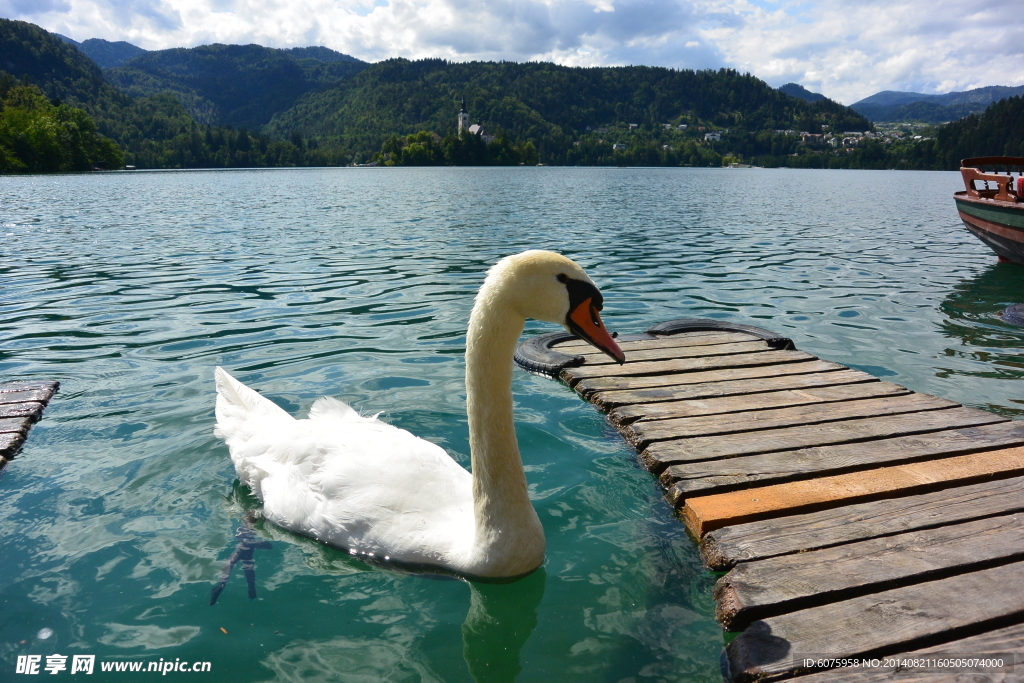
[(549, 104), (895, 106), (105, 53), (152, 132), (234, 85), (36, 56), (998, 131)]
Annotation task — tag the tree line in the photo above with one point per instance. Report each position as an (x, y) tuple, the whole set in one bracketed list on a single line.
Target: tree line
[(40, 136)]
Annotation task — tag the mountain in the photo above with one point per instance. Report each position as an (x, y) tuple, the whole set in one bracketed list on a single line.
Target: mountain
[(997, 131), (317, 106), (895, 106), (552, 105), (109, 54), (60, 70), (234, 85), (318, 52), (799, 91), (153, 131)]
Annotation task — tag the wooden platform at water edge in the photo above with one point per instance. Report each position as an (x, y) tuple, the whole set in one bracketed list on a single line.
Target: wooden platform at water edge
[(858, 520), (21, 404)]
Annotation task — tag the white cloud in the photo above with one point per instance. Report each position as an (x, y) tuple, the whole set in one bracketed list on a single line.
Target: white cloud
[(849, 50), (846, 50)]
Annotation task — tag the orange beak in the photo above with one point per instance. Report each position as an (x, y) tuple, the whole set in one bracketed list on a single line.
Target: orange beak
[(585, 321)]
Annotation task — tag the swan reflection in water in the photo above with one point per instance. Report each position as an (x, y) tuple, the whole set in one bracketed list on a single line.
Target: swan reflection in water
[(500, 619), (248, 543)]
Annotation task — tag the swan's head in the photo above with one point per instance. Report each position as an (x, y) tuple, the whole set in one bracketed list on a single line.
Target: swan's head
[(547, 286)]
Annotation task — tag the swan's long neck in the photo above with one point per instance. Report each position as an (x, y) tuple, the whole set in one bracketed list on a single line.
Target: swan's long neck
[(507, 528)]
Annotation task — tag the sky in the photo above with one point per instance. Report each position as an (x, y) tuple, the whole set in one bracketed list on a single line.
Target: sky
[(846, 50)]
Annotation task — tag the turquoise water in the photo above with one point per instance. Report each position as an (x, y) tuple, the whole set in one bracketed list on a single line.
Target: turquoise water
[(122, 509)]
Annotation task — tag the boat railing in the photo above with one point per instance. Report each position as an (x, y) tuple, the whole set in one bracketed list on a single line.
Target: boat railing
[(985, 170)]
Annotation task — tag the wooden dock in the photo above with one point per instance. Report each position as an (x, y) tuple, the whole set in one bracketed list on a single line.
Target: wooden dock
[(21, 405), (857, 520)]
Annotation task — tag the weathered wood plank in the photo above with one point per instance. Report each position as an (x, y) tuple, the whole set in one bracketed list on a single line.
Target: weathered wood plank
[(640, 434), (592, 359), (629, 403), (998, 643), (33, 410), (718, 476), (667, 383), (21, 403), (661, 454), (15, 425), (660, 367), (756, 590), (723, 548), (9, 444), (29, 395), (705, 513), (878, 624), (28, 385), (752, 394), (707, 338)]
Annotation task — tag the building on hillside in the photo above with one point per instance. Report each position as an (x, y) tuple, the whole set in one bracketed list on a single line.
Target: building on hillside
[(475, 129), (463, 117)]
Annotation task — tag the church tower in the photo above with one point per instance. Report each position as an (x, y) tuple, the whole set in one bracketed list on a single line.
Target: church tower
[(463, 118)]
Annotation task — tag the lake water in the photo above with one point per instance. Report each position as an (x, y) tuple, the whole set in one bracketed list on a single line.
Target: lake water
[(118, 516)]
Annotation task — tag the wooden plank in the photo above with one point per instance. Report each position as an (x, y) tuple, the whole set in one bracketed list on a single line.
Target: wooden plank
[(756, 590), (723, 548), (28, 385), (668, 342), (878, 624), (705, 513), (32, 409), (660, 367), (24, 396), (719, 397), (9, 444), (718, 476), (15, 425), (592, 359), (668, 383), (632, 404), (1005, 643), (640, 434), (661, 454)]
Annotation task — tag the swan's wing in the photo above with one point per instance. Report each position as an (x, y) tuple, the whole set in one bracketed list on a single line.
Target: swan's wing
[(382, 490)]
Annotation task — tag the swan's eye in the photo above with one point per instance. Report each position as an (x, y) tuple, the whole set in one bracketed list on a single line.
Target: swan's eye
[(562, 277)]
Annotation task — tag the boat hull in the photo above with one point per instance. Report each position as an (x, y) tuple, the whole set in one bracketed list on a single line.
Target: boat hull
[(1000, 225)]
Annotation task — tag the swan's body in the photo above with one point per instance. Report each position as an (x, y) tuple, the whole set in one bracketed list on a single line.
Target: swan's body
[(361, 484)]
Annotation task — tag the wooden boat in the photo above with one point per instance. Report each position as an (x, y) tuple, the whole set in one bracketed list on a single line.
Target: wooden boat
[(992, 205)]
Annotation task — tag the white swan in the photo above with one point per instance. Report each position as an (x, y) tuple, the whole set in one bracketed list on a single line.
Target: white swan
[(361, 484)]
